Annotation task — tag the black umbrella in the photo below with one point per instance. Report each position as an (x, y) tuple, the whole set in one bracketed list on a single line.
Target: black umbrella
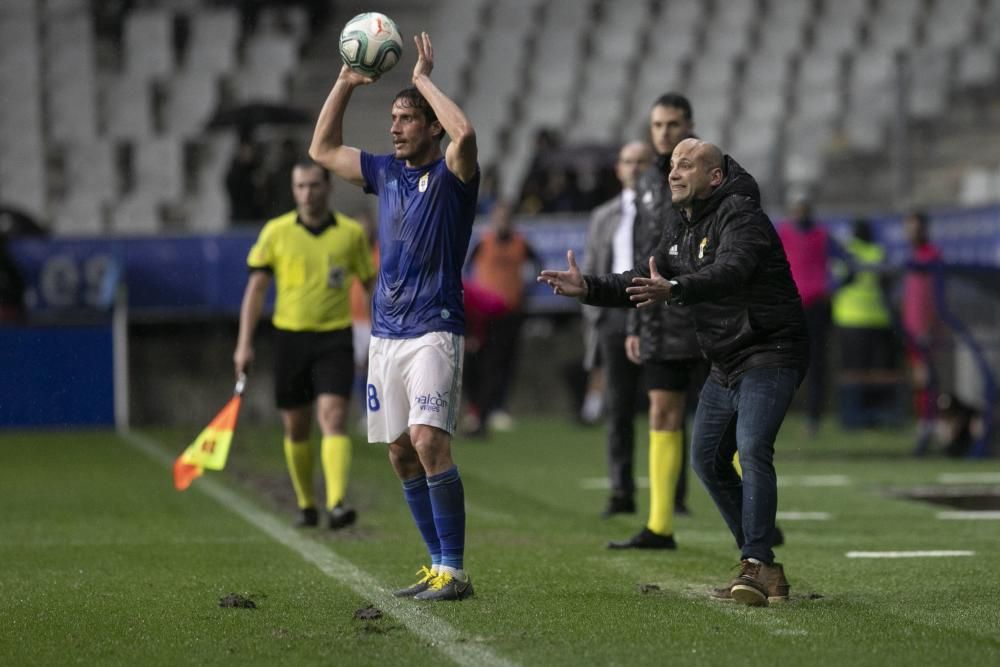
[(16, 222), (252, 114)]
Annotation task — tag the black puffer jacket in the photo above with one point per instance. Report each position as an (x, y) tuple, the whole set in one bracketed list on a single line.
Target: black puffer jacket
[(731, 269), (666, 332)]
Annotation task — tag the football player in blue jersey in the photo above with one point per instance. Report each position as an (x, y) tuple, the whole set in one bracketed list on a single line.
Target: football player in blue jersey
[(427, 204)]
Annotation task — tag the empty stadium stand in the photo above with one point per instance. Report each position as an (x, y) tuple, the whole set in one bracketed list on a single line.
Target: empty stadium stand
[(871, 104)]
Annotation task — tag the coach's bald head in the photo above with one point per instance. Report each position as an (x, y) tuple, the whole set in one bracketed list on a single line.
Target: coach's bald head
[(696, 169)]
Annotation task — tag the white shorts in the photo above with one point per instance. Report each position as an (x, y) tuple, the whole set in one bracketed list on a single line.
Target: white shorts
[(413, 381)]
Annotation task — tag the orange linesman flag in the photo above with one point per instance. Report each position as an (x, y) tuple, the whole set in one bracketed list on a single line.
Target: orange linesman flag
[(211, 448)]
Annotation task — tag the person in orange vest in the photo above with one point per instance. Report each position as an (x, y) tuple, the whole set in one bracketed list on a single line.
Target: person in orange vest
[(502, 262)]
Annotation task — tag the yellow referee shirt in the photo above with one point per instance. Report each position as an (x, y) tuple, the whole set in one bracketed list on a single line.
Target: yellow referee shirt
[(313, 270)]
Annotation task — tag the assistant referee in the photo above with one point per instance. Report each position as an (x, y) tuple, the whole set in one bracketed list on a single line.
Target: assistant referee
[(312, 255)]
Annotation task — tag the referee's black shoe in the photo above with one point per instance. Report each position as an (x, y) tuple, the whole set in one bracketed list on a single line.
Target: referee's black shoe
[(341, 517), (645, 539), (308, 518)]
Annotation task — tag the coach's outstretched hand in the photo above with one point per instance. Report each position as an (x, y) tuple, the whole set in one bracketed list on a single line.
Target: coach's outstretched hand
[(425, 56), (566, 283), (354, 78), (649, 291)]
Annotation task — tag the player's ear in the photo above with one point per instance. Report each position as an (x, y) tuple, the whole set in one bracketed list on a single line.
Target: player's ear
[(437, 130)]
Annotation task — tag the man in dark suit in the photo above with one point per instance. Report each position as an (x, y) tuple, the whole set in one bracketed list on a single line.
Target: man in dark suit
[(610, 249)]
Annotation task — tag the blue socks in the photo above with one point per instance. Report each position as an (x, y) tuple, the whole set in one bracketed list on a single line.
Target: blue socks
[(447, 501), (419, 499)]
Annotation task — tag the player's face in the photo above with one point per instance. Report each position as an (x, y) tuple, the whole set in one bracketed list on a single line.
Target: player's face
[(690, 178), (412, 136), (667, 127), (632, 161), (311, 191)]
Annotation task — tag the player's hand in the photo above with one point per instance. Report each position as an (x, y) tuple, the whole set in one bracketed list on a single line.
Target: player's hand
[(632, 349), (649, 291), (566, 283), (242, 358), (425, 56), (353, 78)]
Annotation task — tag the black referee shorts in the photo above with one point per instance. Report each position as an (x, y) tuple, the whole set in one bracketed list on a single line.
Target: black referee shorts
[(310, 363), (673, 375)]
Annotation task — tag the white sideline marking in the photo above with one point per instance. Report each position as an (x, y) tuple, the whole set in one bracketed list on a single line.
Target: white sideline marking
[(604, 484), (989, 515), (805, 516), (969, 478), (813, 480), (417, 620), (495, 516), (908, 554)]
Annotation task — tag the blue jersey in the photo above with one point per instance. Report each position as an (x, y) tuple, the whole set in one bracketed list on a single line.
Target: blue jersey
[(425, 220)]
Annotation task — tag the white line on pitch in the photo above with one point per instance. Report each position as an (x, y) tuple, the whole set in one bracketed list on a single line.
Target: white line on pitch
[(438, 633), (987, 515), (603, 483), (488, 514), (814, 480), (909, 554), (969, 478), (805, 516)]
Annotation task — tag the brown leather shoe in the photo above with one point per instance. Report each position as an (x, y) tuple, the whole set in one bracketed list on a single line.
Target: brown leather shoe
[(757, 585)]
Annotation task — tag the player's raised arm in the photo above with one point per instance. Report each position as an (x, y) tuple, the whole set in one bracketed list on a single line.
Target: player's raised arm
[(327, 147), (461, 154)]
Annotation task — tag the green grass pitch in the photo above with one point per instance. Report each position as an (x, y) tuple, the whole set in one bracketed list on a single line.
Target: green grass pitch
[(103, 562)]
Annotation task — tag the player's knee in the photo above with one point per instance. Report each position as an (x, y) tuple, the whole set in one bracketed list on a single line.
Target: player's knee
[(404, 460), (666, 411)]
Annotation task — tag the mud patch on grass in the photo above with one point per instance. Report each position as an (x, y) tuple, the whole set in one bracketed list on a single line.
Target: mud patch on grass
[(368, 613), (960, 497), (237, 601)]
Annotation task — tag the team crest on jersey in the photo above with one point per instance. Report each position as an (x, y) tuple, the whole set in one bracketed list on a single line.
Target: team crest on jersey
[(701, 248), (422, 183), (673, 250)]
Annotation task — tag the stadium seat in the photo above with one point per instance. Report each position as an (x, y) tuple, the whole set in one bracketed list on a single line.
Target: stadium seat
[(89, 168), (79, 215), (127, 107), (977, 65), (137, 214), (148, 43), (158, 167), (214, 41), (949, 23), (979, 186), (71, 77), (930, 76), (192, 96)]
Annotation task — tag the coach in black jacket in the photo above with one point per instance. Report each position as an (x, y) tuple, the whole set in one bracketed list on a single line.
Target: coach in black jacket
[(720, 255)]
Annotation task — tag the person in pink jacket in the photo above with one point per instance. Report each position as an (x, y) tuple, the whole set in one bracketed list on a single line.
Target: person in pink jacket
[(809, 247), (920, 323)]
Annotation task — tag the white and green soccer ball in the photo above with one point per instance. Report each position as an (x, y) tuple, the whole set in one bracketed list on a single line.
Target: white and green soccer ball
[(370, 44)]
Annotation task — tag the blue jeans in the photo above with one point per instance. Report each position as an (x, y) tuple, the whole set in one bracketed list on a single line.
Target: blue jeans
[(745, 418)]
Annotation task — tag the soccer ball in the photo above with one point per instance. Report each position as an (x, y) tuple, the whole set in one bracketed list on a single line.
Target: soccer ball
[(370, 44)]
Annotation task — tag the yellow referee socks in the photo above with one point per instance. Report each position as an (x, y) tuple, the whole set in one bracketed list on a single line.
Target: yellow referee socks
[(336, 457), (666, 452), (299, 457)]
